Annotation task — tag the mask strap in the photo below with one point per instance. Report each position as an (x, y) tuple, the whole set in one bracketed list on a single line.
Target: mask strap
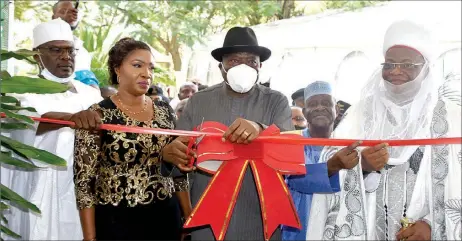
[(226, 72), (42, 67), (223, 68)]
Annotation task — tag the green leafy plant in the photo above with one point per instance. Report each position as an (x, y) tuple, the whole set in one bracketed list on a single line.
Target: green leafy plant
[(23, 154)]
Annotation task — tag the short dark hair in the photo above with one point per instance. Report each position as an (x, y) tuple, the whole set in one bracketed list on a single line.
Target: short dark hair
[(119, 52), (155, 90), (298, 94), (55, 6)]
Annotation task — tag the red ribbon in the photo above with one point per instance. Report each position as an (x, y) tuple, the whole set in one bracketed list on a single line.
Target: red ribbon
[(265, 156), (279, 139), (267, 161)]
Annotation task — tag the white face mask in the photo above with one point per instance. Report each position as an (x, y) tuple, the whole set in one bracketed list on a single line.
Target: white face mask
[(404, 93), (49, 76), (241, 78)]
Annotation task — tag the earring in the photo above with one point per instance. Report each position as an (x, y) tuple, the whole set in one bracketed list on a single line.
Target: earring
[(118, 80)]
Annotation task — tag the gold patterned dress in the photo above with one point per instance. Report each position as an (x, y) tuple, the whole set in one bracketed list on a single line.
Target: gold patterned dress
[(122, 176)]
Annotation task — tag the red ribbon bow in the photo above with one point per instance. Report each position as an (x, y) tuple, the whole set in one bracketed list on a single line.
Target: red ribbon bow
[(267, 160)]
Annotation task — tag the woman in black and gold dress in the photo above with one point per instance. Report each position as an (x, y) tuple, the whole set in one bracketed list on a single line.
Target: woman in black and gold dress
[(123, 190)]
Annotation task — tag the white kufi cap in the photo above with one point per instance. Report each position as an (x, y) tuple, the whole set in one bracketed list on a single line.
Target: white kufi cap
[(55, 29), (409, 34), (188, 84)]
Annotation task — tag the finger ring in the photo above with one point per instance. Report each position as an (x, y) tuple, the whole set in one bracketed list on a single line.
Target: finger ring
[(246, 133)]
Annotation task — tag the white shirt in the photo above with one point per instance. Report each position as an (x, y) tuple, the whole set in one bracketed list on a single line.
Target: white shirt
[(83, 58), (174, 102), (51, 189)]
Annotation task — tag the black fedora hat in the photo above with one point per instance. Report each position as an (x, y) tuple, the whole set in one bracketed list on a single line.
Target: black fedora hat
[(241, 39)]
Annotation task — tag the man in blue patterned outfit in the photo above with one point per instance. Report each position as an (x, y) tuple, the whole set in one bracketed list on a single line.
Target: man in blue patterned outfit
[(320, 112)]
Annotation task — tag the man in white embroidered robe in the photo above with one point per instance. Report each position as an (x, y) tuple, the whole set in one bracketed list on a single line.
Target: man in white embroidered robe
[(421, 184), (51, 189)]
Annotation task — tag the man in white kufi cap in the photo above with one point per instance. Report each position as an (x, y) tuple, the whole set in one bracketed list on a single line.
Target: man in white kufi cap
[(51, 189), (405, 192), (320, 112), (187, 89)]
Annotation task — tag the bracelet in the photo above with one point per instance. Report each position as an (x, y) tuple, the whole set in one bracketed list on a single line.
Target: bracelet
[(93, 239)]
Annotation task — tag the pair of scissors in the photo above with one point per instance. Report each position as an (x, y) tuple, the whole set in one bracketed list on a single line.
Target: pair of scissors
[(193, 145)]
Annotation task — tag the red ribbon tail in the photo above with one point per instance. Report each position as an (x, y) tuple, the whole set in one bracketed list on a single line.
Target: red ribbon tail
[(217, 203), (276, 203)]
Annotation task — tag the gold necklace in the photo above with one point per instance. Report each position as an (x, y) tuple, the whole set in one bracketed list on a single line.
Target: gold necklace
[(125, 109)]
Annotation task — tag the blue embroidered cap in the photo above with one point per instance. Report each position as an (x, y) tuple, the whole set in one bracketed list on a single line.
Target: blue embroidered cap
[(87, 77), (317, 88)]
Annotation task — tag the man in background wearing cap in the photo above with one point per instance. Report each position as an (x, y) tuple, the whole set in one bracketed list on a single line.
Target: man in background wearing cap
[(297, 98), (402, 192), (247, 108), (187, 90), (320, 112), (67, 11), (51, 189)]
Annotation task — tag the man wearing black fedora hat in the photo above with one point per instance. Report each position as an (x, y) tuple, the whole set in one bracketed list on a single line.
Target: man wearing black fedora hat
[(247, 108)]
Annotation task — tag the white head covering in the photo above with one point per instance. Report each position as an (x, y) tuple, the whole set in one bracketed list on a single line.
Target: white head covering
[(401, 111), (317, 88), (189, 84), (55, 29), (409, 34)]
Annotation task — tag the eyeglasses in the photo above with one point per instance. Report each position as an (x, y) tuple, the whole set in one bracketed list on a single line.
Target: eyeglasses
[(406, 66), (58, 51), (298, 118)]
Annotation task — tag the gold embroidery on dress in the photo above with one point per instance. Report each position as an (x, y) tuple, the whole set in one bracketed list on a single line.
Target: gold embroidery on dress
[(121, 166)]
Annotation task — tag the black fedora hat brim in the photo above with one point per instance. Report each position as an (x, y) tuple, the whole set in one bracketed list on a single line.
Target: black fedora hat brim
[(263, 52)]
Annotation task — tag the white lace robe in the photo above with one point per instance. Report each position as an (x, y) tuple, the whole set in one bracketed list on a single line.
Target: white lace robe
[(433, 192)]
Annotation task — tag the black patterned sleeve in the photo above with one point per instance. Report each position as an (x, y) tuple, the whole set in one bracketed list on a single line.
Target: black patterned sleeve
[(180, 179), (87, 147)]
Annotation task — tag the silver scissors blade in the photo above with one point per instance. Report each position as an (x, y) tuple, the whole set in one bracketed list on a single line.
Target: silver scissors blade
[(199, 139)]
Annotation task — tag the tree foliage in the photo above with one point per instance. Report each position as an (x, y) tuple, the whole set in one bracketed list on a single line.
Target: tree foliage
[(168, 26), (351, 5), (173, 24), (41, 10)]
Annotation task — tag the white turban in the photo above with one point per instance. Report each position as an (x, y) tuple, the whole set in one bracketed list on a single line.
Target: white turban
[(55, 29), (188, 84), (409, 34)]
